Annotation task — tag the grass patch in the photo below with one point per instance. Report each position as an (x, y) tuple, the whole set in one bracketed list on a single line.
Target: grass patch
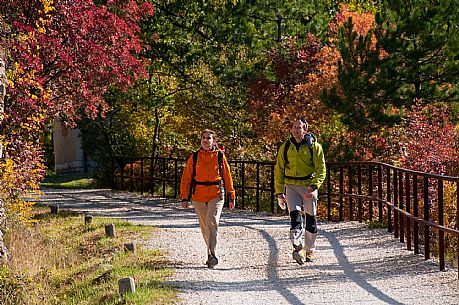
[(60, 260), (69, 181)]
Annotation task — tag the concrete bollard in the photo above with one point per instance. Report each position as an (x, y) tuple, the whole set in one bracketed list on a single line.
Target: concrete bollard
[(87, 219), (130, 247), (126, 285), (110, 230), (54, 209)]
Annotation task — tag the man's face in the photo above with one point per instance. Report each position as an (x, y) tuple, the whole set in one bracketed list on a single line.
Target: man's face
[(299, 130)]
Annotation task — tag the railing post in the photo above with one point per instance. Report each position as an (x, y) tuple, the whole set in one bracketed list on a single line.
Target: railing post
[(243, 184), (380, 195), (164, 170), (131, 174), (416, 214), (408, 209), (396, 214), (141, 176), (441, 233), (258, 187), (341, 192), (176, 177), (426, 218), (112, 171), (370, 190), (388, 199), (401, 218), (122, 175), (351, 209), (152, 176)]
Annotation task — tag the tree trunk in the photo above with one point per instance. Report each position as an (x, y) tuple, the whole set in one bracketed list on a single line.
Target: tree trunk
[(3, 250)]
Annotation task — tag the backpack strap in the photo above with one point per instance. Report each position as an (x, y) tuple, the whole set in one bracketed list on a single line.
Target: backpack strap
[(220, 163), (286, 147), (193, 174)]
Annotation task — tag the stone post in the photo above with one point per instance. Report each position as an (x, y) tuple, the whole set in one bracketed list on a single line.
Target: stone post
[(54, 209), (110, 230), (130, 247), (126, 285), (87, 219)]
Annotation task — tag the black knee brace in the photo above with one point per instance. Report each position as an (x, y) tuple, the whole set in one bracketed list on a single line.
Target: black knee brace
[(296, 220), (311, 223)]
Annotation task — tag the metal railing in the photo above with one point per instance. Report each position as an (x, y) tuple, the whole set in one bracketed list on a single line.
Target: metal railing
[(420, 209)]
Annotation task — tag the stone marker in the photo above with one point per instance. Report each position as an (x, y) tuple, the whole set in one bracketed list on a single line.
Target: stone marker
[(54, 209), (87, 219), (130, 247), (126, 285), (110, 230)]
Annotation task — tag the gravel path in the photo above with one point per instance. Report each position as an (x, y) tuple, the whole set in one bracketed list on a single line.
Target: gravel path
[(354, 264)]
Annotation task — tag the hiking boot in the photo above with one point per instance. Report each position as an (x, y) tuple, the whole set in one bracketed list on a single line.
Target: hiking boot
[(212, 261), (309, 256), (298, 256)]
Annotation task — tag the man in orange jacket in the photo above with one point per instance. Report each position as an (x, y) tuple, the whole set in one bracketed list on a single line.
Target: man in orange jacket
[(204, 178)]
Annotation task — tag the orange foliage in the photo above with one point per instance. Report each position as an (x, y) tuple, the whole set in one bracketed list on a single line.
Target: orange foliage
[(276, 107)]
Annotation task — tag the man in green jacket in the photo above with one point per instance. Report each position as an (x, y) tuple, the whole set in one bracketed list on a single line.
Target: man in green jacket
[(300, 170)]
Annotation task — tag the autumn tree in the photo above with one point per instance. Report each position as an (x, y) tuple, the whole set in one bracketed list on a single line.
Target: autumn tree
[(301, 70), (62, 58), (206, 52), (392, 75), (415, 60)]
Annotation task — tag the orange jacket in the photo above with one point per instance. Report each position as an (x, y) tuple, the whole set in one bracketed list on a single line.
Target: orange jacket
[(206, 171)]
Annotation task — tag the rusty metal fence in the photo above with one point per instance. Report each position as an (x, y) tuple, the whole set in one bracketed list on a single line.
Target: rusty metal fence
[(420, 209)]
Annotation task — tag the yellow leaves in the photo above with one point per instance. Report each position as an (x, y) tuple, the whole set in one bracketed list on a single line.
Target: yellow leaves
[(42, 22), (13, 204), (22, 209), (47, 5)]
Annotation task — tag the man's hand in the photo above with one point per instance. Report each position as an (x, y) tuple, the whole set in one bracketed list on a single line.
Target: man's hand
[(309, 192), (232, 203), (281, 201), (185, 203)]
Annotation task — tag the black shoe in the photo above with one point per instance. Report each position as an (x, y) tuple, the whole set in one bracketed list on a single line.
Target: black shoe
[(212, 261)]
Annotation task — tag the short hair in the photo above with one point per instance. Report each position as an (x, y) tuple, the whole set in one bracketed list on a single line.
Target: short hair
[(214, 135), (303, 120)]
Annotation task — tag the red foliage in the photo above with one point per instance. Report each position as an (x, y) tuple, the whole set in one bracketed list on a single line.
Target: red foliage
[(430, 143), (83, 49), (63, 56), (292, 65)]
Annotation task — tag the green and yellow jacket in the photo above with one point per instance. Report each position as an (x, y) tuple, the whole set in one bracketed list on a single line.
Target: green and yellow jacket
[(302, 168)]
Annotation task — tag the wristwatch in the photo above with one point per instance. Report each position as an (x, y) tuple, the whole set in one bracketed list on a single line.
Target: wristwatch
[(313, 186)]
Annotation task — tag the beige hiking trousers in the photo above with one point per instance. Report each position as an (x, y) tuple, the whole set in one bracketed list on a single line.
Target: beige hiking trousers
[(209, 217)]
